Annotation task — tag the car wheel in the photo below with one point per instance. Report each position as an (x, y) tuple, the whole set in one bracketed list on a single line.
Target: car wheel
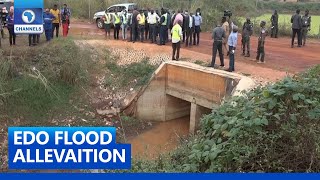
[(100, 23)]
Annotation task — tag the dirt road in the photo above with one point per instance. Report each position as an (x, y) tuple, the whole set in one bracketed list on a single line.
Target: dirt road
[(281, 59)]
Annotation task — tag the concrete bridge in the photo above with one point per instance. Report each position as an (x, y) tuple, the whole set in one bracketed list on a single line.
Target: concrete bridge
[(179, 89)]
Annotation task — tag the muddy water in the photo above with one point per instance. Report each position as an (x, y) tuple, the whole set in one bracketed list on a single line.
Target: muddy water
[(163, 138)]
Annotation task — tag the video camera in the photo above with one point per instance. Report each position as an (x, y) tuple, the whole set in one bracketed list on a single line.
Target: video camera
[(227, 13)]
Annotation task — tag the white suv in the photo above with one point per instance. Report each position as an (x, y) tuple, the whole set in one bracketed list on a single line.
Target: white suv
[(129, 7)]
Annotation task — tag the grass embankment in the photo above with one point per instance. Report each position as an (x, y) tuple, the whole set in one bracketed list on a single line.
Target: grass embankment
[(37, 81), (133, 75), (54, 84), (40, 86)]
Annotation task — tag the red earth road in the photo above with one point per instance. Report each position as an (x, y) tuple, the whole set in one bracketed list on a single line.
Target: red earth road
[(280, 57)]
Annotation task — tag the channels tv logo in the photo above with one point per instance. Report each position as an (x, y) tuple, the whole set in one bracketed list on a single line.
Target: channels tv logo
[(28, 20), (28, 16)]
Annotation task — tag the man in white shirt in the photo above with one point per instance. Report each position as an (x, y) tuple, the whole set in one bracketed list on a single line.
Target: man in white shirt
[(153, 19)]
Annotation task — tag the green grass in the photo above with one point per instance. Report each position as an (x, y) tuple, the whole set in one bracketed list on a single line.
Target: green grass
[(37, 82), (33, 100), (284, 20), (135, 74)]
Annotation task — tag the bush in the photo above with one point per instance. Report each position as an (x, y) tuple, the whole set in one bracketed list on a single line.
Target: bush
[(271, 129)]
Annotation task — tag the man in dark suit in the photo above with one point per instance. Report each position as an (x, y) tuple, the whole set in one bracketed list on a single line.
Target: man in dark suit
[(134, 25), (190, 27)]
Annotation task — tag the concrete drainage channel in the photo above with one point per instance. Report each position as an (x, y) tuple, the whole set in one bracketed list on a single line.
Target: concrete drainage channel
[(179, 89), (178, 95)]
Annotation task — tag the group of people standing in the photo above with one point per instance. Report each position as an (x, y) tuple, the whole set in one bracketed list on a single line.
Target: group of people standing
[(7, 20), (156, 27), (52, 21), (301, 25), (225, 37)]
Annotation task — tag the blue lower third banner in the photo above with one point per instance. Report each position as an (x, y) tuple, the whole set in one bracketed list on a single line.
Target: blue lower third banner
[(163, 176), (28, 20), (66, 148)]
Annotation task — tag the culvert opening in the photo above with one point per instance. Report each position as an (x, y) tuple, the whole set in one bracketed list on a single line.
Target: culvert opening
[(176, 108)]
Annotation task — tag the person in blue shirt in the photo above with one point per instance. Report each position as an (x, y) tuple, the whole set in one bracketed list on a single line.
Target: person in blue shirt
[(197, 22), (232, 42), (10, 26), (48, 18)]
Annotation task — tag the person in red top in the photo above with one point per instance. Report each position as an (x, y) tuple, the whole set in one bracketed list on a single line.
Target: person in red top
[(65, 18)]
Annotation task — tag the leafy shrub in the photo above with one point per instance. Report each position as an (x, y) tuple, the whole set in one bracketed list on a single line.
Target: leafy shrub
[(271, 129)]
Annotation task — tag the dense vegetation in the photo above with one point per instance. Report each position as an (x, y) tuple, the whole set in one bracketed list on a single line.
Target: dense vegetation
[(270, 129), (314, 8)]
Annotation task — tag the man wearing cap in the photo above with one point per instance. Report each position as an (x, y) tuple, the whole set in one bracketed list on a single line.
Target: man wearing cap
[(247, 31), (261, 41), (218, 35), (306, 24), (232, 43), (152, 19)]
